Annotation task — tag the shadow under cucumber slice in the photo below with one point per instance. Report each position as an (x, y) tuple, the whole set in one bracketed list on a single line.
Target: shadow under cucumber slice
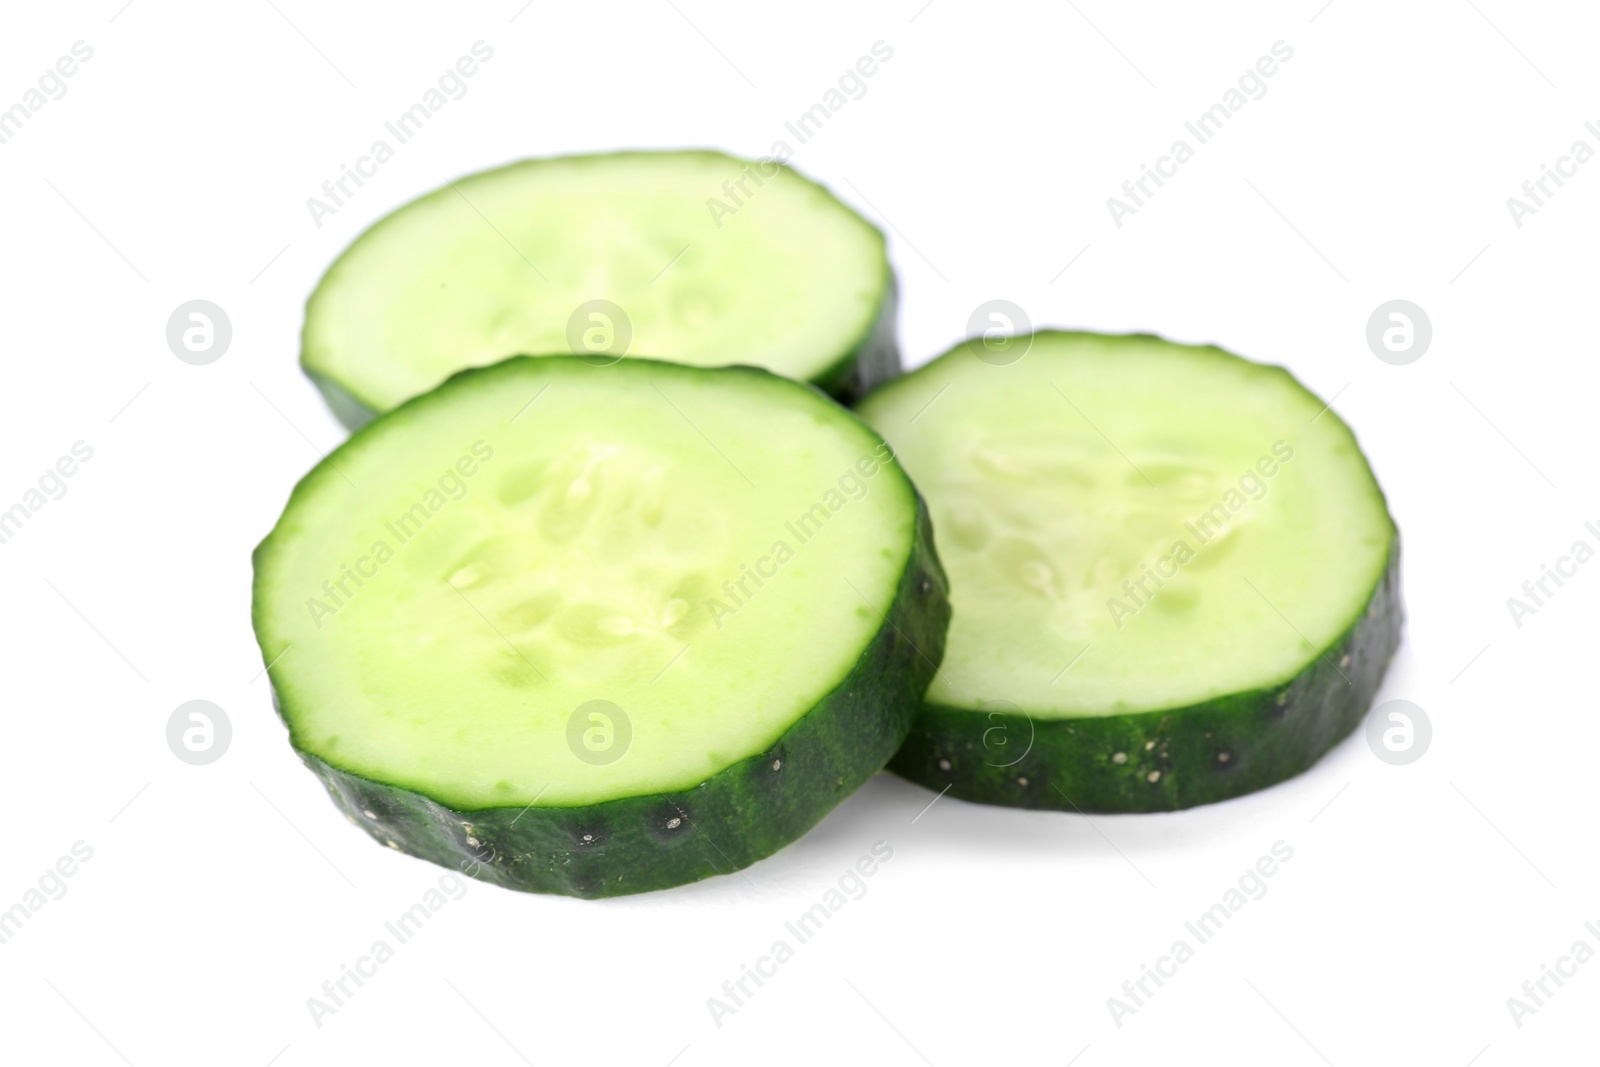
[(1174, 577)]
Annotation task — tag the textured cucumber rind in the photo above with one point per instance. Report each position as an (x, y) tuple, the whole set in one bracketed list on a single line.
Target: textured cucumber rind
[(873, 360), (1200, 754), (350, 410), (742, 814)]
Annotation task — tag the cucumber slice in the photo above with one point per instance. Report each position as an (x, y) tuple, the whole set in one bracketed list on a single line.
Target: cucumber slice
[(599, 630), (1175, 578), (711, 260)]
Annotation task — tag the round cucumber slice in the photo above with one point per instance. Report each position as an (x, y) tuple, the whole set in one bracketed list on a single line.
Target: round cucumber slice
[(600, 630), (696, 257), (1175, 577)]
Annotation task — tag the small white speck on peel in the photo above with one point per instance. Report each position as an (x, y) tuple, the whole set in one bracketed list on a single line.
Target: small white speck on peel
[(1344, 661), (1022, 781), (369, 814), (1148, 745), (944, 765), (473, 841), (674, 822), (1153, 777), (588, 837), (392, 845), (777, 764), (1224, 757), (1119, 757)]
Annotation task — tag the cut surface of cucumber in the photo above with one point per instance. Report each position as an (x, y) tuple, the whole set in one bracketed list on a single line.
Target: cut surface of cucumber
[(1173, 571), (597, 630), (691, 256)]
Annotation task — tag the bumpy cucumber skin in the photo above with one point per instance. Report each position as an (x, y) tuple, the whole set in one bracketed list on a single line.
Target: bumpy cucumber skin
[(349, 409), (743, 813), (873, 360), (1200, 754)]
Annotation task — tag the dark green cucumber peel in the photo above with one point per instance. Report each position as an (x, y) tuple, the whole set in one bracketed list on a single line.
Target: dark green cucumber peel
[(1173, 759), (743, 813), (874, 361), (351, 412)]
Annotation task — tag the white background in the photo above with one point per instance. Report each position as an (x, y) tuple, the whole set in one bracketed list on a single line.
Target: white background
[(219, 898)]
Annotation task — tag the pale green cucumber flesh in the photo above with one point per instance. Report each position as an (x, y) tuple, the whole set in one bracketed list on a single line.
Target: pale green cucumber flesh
[(1134, 529), (711, 260), (558, 601)]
